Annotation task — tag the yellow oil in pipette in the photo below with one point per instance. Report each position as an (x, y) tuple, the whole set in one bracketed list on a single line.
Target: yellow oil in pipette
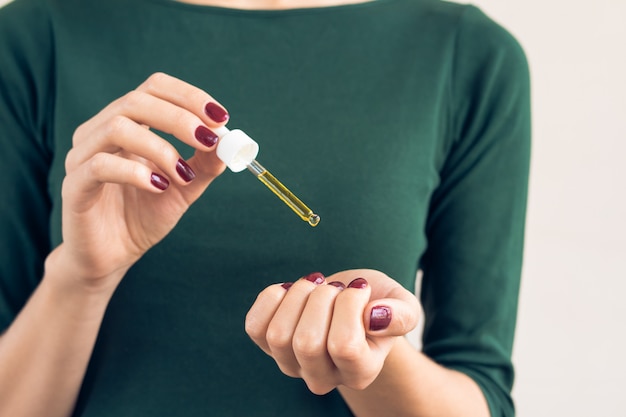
[(282, 192)]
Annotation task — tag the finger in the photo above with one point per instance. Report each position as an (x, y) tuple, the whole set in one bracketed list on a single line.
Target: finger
[(186, 96), (123, 134), (107, 168), (282, 326), (347, 343), (393, 316), (261, 313), (395, 310), (207, 166), (310, 340), (154, 112)]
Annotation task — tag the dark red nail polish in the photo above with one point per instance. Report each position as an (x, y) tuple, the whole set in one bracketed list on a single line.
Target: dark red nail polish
[(216, 113), (315, 277), (159, 181), (337, 284), (287, 285), (358, 283), (185, 171), (206, 136), (380, 317)]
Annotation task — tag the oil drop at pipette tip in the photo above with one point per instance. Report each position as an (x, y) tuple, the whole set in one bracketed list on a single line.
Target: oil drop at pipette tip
[(314, 220)]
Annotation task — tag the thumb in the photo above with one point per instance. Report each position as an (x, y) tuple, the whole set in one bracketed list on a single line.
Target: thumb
[(393, 316)]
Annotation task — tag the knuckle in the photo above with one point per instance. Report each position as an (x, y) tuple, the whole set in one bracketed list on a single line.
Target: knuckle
[(136, 171), (115, 126), (132, 99), (287, 370), (318, 387), (78, 134), (277, 338), (256, 322), (70, 160), (154, 80), (165, 149), (253, 327), (360, 383), (362, 376), (307, 345), (67, 188), (97, 164), (347, 351)]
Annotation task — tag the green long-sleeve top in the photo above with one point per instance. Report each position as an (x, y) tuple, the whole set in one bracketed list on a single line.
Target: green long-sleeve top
[(403, 123)]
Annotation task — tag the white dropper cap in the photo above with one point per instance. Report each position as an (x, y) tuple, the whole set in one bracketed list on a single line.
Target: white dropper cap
[(236, 149)]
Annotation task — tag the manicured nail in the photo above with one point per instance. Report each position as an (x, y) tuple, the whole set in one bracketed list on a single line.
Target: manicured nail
[(216, 113), (315, 277), (337, 284), (159, 181), (206, 136), (185, 171), (358, 283), (380, 317), (287, 285)]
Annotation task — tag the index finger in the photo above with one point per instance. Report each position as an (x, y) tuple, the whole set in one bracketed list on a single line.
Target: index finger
[(187, 96), (261, 313)]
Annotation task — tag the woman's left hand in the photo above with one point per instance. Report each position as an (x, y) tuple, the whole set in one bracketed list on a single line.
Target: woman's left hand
[(332, 331)]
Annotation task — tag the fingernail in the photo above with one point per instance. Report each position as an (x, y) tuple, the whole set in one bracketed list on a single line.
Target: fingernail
[(185, 171), (159, 181), (380, 317), (315, 277), (287, 285), (216, 113), (337, 284), (206, 136), (358, 283)]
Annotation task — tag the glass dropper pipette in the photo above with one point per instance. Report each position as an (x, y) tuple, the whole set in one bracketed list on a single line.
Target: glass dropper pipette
[(238, 151)]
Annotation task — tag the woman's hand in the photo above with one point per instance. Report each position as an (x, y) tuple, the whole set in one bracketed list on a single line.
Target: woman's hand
[(334, 331), (126, 187)]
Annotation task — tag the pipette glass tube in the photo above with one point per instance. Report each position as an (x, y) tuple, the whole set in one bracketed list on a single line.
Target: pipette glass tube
[(282, 192)]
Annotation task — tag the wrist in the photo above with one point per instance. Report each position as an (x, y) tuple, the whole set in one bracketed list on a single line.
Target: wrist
[(64, 275)]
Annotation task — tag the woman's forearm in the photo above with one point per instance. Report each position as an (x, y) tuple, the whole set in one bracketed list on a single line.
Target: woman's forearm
[(412, 385), (45, 351)]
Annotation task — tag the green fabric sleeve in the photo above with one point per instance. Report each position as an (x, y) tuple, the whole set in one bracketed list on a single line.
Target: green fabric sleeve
[(25, 75), (477, 215)]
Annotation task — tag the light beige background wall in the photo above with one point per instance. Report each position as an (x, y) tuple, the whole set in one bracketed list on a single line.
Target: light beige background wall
[(571, 345), (571, 348)]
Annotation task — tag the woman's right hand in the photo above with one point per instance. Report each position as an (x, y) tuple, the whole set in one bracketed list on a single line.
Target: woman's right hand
[(126, 187)]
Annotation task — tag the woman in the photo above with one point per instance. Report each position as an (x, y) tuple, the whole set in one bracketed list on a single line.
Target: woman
[(131, 260)]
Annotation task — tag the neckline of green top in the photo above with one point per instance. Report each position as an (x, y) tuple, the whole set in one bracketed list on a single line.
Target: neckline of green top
[(271, 12)]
